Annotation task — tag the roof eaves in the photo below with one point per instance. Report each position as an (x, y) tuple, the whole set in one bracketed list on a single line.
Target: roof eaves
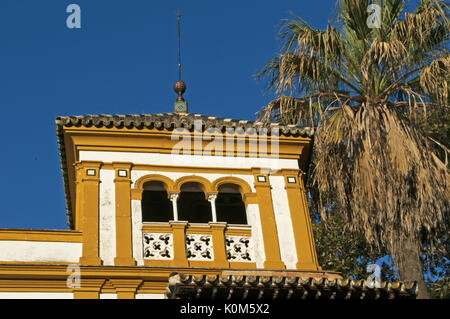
[(183, 286)]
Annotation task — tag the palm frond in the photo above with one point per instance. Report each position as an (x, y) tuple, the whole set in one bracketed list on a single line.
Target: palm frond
[(367, 92)]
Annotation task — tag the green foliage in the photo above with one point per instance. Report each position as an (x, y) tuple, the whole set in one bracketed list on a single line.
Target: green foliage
[(436, 126), (440, 289), (437, 273), (345, 251)]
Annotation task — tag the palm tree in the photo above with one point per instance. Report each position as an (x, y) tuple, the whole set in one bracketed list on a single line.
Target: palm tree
[(362, 86)]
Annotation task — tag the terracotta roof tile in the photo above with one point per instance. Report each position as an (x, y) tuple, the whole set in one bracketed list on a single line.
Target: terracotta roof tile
[(182, 286), (171, 121)]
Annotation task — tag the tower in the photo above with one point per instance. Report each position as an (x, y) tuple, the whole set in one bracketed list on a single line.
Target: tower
[(220, 202), (187, 191)]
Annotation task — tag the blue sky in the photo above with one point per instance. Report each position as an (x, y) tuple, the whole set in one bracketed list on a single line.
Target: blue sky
[(123, 60)]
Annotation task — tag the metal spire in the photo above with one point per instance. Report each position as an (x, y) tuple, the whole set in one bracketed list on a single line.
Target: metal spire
[(179, 47), (180, 105)]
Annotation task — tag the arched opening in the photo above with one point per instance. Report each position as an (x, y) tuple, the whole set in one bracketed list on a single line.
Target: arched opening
[(192, 204), (229, 205), (156, 205)]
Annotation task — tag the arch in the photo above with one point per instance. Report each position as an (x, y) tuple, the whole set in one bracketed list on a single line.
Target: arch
[(244, 188), (205, 184), (156, 205), (229, 208), (193, 205), (167, 182)]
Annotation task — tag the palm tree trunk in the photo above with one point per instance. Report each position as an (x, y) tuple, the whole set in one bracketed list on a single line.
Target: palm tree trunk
[(409, 265)]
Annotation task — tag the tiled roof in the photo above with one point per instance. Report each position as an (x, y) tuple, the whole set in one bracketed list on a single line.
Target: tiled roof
[(182, 286), (171, 121)]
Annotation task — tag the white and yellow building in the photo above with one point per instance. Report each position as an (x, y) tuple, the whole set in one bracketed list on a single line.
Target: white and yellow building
[(231, 197), (149, 195)]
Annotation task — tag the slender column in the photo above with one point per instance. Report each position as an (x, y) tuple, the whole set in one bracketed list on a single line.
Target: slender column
[(179, 243), (212, 199), (268, 224), (124, 240), (89, 205), (174, 199)]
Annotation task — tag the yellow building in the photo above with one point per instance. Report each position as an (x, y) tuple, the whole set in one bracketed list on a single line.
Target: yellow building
[(149, 196)]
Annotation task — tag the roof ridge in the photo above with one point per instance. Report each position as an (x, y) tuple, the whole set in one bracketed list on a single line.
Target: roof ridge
[(134, 119)]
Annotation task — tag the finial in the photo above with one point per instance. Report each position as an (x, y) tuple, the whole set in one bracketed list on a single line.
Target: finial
[(179, 87), (180, 105)]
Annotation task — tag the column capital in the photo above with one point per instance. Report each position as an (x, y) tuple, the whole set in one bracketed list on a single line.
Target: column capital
[(290, 171), (261, 177), (218, 225), (88, 171), (122, 165), (88, 164), (212, 197), (178, 223), (174, 199), (250, 198), (292, 181), (136, 194), (122, 171)]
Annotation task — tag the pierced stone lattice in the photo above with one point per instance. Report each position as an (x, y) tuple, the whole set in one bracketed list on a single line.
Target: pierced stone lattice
[(199, 247), (158, 246), (239, 248)]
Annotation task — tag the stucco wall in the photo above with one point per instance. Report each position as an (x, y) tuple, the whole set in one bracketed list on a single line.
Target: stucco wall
[(149, 296), (107, 213), (36, 295), (187, 160), (283, 222), (67, 295), (29, 251)]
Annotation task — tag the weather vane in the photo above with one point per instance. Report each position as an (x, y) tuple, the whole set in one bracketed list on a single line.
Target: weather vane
[(180, 105)]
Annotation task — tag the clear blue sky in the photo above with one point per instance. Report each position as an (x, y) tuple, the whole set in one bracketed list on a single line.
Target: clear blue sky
[(123, 60)]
